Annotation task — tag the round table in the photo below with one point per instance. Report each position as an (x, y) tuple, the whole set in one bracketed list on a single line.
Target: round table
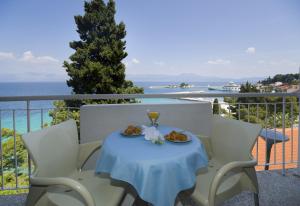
[(157, 172)]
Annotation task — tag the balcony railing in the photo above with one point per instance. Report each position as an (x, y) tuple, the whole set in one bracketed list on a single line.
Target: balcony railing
[(281, 115)]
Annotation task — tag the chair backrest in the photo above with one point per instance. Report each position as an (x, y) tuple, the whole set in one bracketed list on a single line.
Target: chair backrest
[(98, 121), (233, 140), (54, 150)]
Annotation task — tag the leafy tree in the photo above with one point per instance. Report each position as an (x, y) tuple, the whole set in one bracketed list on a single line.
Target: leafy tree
[(96, 66), (8, 150), (9, 159), (284, 78), (247, 88), (60, 113), (183, 85)]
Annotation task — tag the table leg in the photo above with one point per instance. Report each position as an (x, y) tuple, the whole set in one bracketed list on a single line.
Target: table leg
[(268, 153)]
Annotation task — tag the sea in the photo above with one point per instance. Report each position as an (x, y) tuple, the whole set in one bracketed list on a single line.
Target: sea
[(39, 113)]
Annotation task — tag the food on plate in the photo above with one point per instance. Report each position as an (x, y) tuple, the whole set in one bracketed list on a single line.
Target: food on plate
[(132, 130), (176, 136)]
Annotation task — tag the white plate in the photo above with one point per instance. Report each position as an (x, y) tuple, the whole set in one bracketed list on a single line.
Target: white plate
[(132, 135), (177, 141)]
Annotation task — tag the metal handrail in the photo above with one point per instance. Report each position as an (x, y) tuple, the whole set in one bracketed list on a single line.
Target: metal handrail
[(132, 96)]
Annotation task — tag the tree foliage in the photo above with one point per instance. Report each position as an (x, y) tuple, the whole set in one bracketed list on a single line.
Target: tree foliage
[(216, 106), (183, 85), (284, 78), (9, 158), (96, 66)]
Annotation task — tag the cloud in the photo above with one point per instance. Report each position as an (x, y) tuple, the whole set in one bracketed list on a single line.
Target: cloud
[(131, 62), (250, 50), (219, 62), (135, 61), (7, 55), (159, 63), (29, 57), (28, 67)]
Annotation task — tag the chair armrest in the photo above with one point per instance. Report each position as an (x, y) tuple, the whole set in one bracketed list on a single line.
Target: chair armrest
[(206, 141), (222, 172), (86, 150), (64, 181)]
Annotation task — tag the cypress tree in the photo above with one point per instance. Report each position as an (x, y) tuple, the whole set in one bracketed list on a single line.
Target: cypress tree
[(96, 66), (216, 106)]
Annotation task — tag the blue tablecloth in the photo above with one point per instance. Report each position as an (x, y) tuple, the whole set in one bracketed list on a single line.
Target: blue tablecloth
[(157, 172)]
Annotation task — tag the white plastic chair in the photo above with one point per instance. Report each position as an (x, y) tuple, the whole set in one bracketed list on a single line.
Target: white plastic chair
[(57, 178), (231, 166)]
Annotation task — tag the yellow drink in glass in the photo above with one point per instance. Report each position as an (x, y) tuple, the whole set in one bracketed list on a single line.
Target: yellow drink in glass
[(153, 116)]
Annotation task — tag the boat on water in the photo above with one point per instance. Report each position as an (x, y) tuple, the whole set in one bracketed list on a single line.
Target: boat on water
[(230, 87)]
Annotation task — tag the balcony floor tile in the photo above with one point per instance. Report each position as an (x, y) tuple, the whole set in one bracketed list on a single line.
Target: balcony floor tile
[(275, 190)]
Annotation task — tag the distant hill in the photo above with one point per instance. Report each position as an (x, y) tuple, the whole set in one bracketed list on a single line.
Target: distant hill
[(187, 77)]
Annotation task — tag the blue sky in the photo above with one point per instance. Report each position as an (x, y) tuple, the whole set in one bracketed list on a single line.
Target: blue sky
[(232, 38)]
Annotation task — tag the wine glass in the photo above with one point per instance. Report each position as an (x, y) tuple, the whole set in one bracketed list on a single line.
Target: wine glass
[(153, 116)]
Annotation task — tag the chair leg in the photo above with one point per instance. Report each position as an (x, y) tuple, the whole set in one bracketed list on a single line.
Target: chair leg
[(139, 202), (178, 201), (256, 199), (35, 193), (179, 204)]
